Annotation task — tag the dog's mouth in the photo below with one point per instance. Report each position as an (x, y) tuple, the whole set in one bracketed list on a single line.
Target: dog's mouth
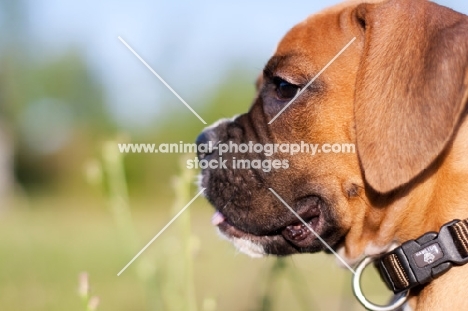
[(299, 234), (294, 236)]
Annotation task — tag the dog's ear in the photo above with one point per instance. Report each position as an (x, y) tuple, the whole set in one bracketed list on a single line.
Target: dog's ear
[(411, 87)]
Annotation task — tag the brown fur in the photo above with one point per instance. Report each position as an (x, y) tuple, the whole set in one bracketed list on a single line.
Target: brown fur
[(400, 92)]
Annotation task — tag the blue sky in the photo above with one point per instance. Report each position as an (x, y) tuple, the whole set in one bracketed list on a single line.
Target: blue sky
[(189, 43)]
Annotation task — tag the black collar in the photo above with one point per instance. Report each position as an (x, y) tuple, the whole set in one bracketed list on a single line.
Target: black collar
[(417, 262)]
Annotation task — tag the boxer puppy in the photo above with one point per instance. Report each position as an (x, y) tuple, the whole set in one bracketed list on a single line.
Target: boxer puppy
[(399, 93)]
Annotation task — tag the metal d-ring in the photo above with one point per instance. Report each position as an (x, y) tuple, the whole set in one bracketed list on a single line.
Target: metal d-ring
[(399, 300)]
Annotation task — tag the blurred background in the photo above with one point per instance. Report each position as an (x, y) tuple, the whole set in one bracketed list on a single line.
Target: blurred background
[(73, 211)]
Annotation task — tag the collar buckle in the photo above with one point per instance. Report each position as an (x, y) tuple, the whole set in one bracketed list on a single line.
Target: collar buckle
[(417, 262)]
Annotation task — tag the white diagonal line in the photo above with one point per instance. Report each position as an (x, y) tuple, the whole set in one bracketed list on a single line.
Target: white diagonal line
[(312, 81), (160, 232), (161, 79), (312, 230)]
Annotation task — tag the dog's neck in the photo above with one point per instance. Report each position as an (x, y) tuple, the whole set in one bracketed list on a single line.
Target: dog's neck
[(448, 291), (425, 207), (442, 197)]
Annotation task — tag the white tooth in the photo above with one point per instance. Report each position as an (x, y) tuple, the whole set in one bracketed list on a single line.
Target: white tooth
[(217, 218)]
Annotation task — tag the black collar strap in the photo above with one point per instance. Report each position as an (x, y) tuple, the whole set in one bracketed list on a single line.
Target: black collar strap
[(417, 262)]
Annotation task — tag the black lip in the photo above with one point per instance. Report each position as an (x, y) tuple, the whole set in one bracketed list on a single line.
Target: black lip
[(307, 216), (278, 242), (274, 244)]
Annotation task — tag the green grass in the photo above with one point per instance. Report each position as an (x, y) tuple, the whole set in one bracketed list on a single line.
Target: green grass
[(44, 248)]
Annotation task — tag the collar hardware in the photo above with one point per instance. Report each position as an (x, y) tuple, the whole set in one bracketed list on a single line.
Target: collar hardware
[(417, 262)]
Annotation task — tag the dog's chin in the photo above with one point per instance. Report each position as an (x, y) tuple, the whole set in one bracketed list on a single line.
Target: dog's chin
[(294, 238)]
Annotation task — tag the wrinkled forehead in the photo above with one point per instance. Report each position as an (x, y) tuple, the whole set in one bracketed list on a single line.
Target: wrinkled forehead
[(311, 44), (318, 31)]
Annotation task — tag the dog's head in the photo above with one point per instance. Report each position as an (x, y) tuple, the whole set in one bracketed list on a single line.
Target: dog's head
[(396, 93)]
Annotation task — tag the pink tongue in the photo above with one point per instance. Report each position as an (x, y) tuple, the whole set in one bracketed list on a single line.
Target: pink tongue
[(217, 219)]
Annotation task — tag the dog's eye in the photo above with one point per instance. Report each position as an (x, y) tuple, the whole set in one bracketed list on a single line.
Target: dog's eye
[(285, 90)]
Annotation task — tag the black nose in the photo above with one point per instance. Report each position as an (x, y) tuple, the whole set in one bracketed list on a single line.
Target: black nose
[(205, 143), (202, 138)]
